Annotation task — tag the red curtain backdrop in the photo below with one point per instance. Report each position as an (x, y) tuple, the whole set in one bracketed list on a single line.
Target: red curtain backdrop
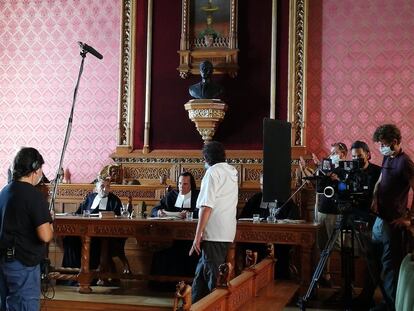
[(360, 71), (247, 95)]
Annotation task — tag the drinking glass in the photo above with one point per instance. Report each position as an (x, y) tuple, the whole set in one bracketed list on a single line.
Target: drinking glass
[(124, 211), (256, 218), (189, 215), (272, 212)]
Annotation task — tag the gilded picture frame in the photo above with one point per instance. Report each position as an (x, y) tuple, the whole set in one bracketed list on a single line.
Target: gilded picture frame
[(208, 32)]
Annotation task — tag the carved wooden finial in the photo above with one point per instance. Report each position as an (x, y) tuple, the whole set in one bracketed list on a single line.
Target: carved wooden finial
[(224, 275), (270, 250), (251, 258), (183, 294)]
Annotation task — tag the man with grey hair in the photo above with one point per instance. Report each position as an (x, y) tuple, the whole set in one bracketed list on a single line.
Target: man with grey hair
[(102, 199)]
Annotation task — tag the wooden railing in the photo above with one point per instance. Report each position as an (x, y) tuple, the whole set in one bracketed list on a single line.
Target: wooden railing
[(240, 290)]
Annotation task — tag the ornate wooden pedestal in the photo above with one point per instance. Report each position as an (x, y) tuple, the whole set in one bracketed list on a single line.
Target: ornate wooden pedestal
[(207, 115)]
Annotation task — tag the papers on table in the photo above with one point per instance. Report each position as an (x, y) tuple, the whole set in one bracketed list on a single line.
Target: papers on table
[(279, 221), (163, 218), (249, 219)]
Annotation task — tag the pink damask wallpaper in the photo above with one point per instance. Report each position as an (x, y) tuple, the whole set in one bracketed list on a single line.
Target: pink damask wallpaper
[(360, 71), (39, 64)]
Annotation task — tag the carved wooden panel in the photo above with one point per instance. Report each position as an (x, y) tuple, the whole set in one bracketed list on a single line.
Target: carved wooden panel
[(151, 172), (240, 295), (252, 173), (108, 230), (263, 236)]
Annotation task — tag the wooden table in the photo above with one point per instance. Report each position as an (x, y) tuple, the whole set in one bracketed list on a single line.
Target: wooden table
[(302, 235)]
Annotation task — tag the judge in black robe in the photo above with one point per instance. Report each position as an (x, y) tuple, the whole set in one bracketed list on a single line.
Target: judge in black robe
[(174, 261), (115, 246)]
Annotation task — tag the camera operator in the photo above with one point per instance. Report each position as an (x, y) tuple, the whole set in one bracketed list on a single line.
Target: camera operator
[(360, 150), (326, 217), (390, 201), (371, 172)]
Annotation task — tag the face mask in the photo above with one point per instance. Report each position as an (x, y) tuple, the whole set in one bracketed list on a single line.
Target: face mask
[(206, 166), (386, 150), (335, 159), (39, 179)]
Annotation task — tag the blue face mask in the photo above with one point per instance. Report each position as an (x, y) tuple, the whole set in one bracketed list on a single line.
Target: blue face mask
[(335, 159), (206, 165), (386, 151)]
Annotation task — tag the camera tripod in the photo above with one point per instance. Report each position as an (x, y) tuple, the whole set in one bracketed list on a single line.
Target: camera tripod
[(344, 227)]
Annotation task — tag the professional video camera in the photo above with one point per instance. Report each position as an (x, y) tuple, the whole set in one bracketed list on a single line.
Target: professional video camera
[(348, 189)]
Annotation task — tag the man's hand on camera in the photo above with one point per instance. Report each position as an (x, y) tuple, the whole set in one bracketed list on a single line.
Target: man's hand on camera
[(333, 176)]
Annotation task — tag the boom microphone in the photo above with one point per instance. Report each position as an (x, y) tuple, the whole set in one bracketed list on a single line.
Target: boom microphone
[(89, 49)]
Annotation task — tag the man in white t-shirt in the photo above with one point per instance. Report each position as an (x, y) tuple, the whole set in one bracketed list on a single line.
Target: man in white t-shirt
[(216, 228)]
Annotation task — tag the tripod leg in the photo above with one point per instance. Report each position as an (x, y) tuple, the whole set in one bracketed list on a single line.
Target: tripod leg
[(347, 253), (321, 265)]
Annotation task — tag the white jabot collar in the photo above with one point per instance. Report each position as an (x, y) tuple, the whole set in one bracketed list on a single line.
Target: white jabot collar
[(183, 200)]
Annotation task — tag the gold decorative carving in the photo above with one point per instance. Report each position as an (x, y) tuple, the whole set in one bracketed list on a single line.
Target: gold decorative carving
[(148, 172), (207, 114), (300, 72), (126, 73), (219, 50), (297, 64)]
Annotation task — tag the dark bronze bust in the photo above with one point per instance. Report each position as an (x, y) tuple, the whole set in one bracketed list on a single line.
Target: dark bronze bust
[(206, 89)]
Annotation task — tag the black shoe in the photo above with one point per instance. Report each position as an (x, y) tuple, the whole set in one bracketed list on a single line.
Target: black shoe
[(324, 282), (363, 303), (382, 306)]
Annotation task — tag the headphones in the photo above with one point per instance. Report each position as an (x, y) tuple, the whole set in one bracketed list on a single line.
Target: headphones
[(35, 165)]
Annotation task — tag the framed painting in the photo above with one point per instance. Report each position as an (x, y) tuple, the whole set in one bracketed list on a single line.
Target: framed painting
[(208, 32)]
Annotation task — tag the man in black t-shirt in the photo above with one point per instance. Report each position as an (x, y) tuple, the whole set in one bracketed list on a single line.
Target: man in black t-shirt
[(25, 230)]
